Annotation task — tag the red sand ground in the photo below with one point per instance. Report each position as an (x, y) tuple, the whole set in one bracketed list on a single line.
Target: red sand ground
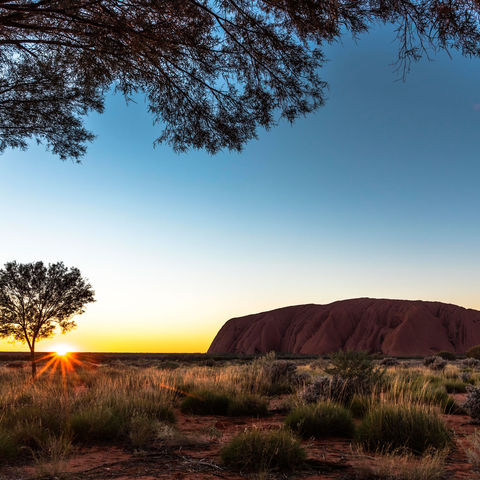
[(192, 453)]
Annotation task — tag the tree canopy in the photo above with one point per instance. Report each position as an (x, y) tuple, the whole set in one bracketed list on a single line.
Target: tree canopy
[(35, 300), (213, 71)]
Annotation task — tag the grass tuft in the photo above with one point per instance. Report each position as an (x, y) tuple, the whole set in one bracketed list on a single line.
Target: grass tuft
[(263, 451)]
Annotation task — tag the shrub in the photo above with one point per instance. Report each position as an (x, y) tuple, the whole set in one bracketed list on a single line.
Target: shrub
[(321, 420), (435, 362), (360, 405), (389, 428), (455, 386), (9, 448), (98, 424), (401, 466), (258, 451), (473, 453), (389, 362), (357, 371), (451, 407), (471, 362), (142, 431), (247, 406), (447, 355), (474, 352), (205, 402), (466, 377), (472, 405), (336, 389)]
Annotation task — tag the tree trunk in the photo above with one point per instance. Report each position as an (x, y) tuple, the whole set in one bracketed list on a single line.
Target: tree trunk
[(34, 365)]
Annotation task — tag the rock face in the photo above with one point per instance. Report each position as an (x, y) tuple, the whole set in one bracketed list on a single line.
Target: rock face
[(392, 327)]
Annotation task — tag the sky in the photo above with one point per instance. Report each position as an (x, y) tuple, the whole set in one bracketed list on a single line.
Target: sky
[(374, 195)]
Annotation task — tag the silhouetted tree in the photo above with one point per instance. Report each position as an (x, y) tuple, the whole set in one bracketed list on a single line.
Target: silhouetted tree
[(213, 70), (36, 299)]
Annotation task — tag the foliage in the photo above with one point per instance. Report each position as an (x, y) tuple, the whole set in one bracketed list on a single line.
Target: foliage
[(405, 466), (473, 453), (205, 402), (392, 427), (142, 431), (455, 386), (474, 352), (268, 376), (260, 451), (359, 405), (472, 404), (389, 362), (435, 362), (35, 300), (247, 405), (9, 448), (321, 420), (353, 373), (213, 72), (98, 424), (446, 355), (208, 402)]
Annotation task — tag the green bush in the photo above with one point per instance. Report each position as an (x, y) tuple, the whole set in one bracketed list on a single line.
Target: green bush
[(321, 420), (261, 451), (360, 405), (451, 407), (142, 431), (357, 372), (474, 352), (205, 402), (392, 428), (98, 424), (455, 386), (9, 448), (247, 406), (446, 355)]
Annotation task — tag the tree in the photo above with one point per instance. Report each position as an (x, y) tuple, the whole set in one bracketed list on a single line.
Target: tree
[(213, 71), (35, 300)]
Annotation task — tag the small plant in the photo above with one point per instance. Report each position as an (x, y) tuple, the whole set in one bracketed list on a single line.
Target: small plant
[(455, 386), (360, 405), (473, 453), (357, 371), (389, 362), (142, 431), (388, 428), (435, 362), (472, 404), (245, 405), (98, 424), (405, 466), (471, 362), (321, 420), (473, 352), (53, 454), (205, 402), (263, 451), (466, 377), (451, 407), (9, 448), (447, 355), (336, 389)]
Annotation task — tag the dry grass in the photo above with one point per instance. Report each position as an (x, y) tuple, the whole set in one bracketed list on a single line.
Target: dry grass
[(398, 466)]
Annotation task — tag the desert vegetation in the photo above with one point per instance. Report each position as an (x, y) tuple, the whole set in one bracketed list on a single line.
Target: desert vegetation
[(261, 417)]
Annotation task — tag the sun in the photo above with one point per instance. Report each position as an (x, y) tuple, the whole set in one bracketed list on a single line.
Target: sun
[(62, 350)]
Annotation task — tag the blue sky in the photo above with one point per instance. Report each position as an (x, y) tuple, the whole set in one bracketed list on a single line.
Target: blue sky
[(376, 194)]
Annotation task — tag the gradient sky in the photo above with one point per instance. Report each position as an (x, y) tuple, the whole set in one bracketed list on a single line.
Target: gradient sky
[(377, 194)]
